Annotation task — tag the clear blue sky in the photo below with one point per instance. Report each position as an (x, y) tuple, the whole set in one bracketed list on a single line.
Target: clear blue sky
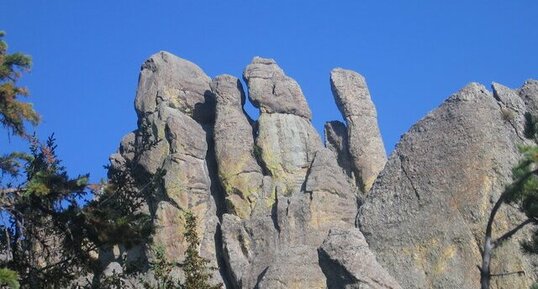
[(414, 54)]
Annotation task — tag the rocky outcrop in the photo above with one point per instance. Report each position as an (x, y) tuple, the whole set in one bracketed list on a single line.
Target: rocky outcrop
[(365, 143), (277, 208), (305, 193), (425, 216), (169, 150)]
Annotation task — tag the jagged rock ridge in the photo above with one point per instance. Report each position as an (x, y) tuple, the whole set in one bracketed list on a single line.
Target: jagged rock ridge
[(277, 208)]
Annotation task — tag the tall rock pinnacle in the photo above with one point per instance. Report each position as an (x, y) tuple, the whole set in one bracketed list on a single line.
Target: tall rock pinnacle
[(239, 172), (365, 143)]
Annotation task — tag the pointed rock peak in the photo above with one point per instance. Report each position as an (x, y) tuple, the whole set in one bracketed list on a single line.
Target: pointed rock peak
[(471, 91), (508, 97), (341, 74), (530, 84), (350, 91), (498, 88), (365, 144), (166, 79), (228, 90), (272, 91), (529, 94)]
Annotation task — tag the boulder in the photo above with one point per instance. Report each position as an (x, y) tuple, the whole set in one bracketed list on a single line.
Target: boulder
[(181, 84), (348, 263), (272, 91)]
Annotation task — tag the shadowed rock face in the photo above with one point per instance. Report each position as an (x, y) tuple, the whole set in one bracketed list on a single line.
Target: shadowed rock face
[(277, 208)]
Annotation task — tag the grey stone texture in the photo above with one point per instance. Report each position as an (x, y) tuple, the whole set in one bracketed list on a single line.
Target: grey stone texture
[(239, 172), (337, 140), (346, 257), (272, 91), (277, 208), (365, 143), (426, 214), (174, 105)]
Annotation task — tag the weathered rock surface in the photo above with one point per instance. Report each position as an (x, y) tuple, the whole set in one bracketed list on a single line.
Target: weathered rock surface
[(169, 150), (285, 239), (529, 93), (426, 214), (272, 91), (287, 145), (278, 209), (181, 84), (365, 143), (239, 172), (512, 107), (346, 257), (306, 194), (337, 140)]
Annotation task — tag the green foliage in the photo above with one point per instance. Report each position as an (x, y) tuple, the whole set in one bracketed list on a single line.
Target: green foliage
[(196, 268), (534, 286), (523, 194), (51, 233), (162, 270), (13, 112), (531, 126), (9, 278)]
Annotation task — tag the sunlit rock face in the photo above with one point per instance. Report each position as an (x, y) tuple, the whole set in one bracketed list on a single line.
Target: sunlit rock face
[(278, 208), (427, 211)]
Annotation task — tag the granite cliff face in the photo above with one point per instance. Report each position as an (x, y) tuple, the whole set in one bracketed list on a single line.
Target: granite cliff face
[(278, 208)]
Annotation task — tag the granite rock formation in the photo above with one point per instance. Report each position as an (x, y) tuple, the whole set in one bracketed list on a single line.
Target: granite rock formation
[(278, 208), (425, 216), (365, 144)]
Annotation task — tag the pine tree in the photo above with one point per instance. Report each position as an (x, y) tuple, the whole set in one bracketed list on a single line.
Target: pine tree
[(162, 272), (13, 112), (48, 233), (523, 193), (196, 268), (9, 278)]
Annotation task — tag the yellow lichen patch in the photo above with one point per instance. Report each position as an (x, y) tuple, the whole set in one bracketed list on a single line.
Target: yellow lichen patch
[(446, 254), (432, 256), (271, 199), (420, 252), (487, 185)]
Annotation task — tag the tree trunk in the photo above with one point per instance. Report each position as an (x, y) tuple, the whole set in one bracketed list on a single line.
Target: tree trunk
[(485, 273)]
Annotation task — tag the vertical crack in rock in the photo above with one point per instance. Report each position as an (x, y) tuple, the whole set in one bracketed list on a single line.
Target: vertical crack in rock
[(402, 158), (512, 108)]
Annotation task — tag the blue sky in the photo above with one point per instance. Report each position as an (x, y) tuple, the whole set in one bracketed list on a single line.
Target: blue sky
[(414, 54)]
